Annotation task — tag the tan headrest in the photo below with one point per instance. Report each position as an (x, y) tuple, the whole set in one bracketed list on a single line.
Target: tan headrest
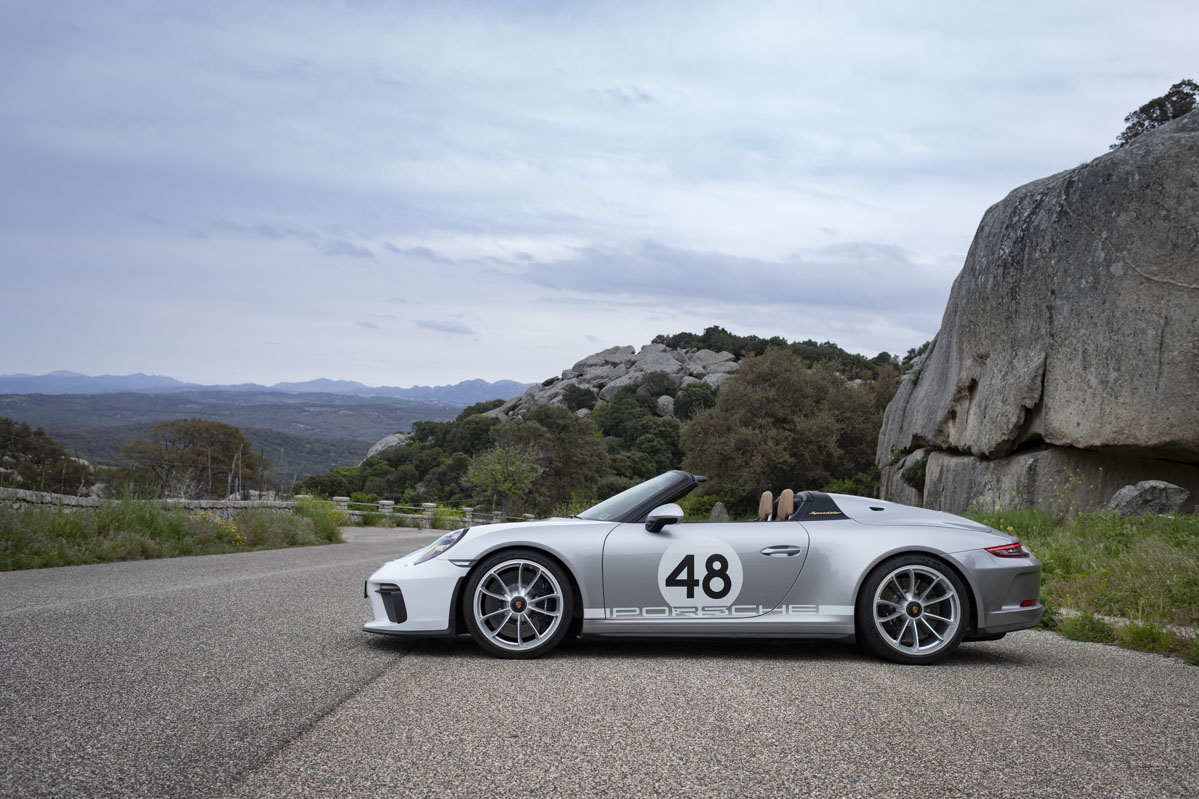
[(786, 504), (765, 506)]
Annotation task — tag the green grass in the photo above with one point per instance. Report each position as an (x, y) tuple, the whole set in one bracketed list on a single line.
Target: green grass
[(133, 529), (1148, 638), (1141, 569), (1088, 627)]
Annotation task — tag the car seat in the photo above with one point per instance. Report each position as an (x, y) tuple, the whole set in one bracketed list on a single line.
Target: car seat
[(765, 506), (786, 505)]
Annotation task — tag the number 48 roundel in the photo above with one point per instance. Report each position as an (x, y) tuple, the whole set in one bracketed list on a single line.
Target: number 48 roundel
[(702, 571)]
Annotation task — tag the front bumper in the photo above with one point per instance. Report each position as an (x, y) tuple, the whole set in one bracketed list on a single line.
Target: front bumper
[(407, 598)]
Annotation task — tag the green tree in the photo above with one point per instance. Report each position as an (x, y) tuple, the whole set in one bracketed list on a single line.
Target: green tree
[(625, 407), (447, 481), (1179, 100), (503, 473), (568, 448), (781, 424), (32, 460), (327, 485), (196, 458)]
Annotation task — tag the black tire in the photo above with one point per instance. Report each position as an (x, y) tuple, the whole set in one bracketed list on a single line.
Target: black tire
[(912, 609), (518, 604)]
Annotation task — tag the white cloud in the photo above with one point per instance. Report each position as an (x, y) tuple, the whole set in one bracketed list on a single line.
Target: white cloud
[(625, 169), (442, 326)]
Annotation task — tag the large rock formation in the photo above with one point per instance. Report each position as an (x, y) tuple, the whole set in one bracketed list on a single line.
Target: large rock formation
[(1073, 329), (605, 373)]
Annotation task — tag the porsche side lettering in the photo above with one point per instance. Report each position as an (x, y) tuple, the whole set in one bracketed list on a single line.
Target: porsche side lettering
[(708, 610)]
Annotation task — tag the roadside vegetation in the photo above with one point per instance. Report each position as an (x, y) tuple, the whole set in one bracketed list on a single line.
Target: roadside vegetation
[(1143, 570), (133, 529)]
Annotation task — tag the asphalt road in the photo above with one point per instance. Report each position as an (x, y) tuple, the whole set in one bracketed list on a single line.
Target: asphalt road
[(247, 675)]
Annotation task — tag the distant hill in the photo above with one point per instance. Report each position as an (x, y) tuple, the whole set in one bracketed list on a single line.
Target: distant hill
[(289, 456), (304, 433), (464, 393)]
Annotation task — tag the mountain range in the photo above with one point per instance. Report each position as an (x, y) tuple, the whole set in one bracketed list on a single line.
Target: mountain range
[(464, 393)]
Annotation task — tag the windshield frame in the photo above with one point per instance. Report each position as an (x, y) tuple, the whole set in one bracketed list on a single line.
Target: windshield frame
[(634, 504)]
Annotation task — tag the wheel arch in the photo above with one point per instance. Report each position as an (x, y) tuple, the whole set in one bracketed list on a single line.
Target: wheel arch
[(975, 610), (576, 615)]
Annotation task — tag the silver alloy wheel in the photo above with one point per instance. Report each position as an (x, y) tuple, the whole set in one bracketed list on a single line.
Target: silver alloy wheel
[(518, 605), (916, 610)]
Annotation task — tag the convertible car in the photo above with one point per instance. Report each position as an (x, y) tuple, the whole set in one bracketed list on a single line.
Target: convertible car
[(910, 584)]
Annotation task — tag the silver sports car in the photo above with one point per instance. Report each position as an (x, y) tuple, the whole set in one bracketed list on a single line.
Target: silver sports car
[(911, 584)]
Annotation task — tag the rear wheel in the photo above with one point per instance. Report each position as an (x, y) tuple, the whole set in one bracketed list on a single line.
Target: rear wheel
[(518, 604), (912, 610)]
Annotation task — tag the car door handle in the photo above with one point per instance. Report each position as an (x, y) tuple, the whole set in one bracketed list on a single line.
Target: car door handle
[(782, 551)]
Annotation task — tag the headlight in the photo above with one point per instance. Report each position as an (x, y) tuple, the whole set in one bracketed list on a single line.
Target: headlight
[(441, 545)]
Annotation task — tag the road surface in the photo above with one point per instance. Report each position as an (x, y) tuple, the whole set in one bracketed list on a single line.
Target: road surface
[(247, 675)]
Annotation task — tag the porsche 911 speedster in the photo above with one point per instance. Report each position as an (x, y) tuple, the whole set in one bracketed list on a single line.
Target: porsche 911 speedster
[(910, 584)]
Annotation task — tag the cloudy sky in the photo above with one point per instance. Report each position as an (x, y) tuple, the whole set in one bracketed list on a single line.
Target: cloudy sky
[(403, 193)]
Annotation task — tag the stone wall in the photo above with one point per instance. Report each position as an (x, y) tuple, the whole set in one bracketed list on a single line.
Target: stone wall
[(20, 498)]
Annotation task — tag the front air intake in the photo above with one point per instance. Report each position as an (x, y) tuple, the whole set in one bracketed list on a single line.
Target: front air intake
[(393, 603)]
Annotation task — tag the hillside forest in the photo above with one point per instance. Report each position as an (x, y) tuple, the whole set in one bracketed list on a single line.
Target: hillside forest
[(800, 415)]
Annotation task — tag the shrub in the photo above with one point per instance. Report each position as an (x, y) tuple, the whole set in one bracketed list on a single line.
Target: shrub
[(657, 384), (1190, 652), (373, 518), (913, 474), (576, 398), (693, 399), (327, 519), (1052, 619), (446, 518), (1145, 637), (1088, 627), (139, 529)]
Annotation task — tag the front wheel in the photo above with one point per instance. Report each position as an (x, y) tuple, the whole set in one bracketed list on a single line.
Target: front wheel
[(912, 610), (518, 604)]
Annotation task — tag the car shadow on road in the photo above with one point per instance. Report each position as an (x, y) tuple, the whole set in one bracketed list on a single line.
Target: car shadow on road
[(714, 649)]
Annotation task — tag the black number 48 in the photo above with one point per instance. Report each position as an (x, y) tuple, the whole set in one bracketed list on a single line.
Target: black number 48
[(717, 567)]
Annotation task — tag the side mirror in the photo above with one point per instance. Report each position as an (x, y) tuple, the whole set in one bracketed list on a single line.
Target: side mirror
[(663, 515)]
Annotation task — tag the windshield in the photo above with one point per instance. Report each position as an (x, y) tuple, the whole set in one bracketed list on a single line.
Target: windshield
[(617, 507)]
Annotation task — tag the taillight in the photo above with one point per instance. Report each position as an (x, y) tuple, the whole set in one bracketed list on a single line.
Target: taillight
[(1016, 550)]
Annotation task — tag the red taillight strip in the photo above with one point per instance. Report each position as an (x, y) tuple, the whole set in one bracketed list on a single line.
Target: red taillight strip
[(1015, 550)]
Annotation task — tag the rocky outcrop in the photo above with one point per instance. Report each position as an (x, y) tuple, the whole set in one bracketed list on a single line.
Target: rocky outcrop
[(1073, 326), (387, 442), (605, 373), (1056, 480)]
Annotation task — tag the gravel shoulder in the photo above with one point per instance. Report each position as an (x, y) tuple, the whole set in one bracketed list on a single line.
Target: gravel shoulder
[(247, 675)]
